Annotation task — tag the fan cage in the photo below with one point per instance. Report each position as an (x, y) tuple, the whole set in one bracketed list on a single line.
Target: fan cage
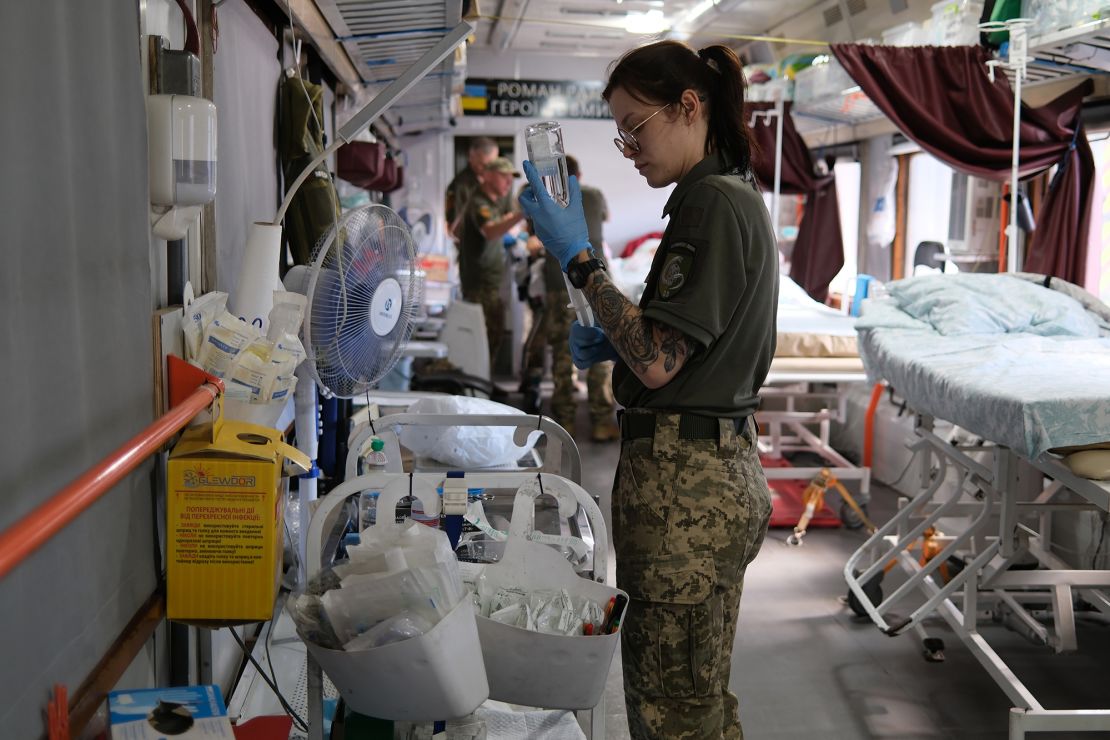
[(364, 249)]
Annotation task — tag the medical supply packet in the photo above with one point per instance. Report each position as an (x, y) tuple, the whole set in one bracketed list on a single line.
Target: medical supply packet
[(180, 712)]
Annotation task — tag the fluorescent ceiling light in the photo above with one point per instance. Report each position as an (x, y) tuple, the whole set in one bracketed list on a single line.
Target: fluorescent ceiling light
[(697, 11), (645, 23)]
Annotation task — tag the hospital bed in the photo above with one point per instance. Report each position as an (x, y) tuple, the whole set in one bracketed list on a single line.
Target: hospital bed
[(1025, 370), (804, 394), (816, 360)]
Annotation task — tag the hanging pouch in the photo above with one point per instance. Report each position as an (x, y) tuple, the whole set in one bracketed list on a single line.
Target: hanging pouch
[(360, 162)]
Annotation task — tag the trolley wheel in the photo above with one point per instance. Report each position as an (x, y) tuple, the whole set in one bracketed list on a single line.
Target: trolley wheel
[(873, 589), (849, 518), (934, 649)]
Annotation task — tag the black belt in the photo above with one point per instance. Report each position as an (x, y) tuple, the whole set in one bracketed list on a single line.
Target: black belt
[(690, 426)]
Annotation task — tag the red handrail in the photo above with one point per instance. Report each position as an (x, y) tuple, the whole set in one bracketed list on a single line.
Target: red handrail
[(28, 534)]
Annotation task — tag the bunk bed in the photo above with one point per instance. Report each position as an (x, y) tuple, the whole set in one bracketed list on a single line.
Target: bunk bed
[(1023, 364)]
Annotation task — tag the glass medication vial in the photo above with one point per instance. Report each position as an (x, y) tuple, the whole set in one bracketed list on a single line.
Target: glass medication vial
[(545, 151)]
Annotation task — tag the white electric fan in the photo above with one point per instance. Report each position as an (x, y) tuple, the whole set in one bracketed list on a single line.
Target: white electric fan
[(363, 293)]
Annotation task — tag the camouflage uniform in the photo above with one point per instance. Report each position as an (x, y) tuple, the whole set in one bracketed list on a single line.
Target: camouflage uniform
[(482, 267), (690, 501), (688, 517), (551, 327)]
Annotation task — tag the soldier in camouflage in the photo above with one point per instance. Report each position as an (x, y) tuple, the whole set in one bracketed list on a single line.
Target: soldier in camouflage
[(467, 182), (690, 501), (481, 250)]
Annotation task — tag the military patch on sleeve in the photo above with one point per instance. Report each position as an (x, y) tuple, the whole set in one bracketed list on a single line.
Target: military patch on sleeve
[(485, 212), (676, 270)]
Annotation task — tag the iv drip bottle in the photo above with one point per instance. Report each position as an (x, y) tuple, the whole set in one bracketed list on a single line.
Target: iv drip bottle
[(545, 151)]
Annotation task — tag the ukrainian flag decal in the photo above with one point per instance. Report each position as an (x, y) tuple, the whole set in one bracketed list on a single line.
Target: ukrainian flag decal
[(475, 98)]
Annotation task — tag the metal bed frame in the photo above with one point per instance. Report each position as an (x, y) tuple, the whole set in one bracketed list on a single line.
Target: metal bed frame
[(788, 430), (1001, 530)]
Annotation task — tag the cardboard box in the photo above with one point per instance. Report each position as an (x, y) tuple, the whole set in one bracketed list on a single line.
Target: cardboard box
[(180, 712), (224, 522)]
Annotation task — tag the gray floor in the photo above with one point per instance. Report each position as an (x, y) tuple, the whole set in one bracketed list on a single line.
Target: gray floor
[(804, 666)]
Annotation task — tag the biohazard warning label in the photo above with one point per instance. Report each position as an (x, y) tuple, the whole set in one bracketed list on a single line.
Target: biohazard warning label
[(220, 530)]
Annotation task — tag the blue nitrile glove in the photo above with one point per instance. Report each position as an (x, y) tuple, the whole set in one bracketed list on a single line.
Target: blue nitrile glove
[(508, 240), (562, 230), (589, 346)]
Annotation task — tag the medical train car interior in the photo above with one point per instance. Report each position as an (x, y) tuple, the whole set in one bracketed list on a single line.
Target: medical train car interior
[(298, 446)]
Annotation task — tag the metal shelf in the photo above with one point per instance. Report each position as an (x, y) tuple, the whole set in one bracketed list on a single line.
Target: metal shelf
[(384, 37), (1070, 53)]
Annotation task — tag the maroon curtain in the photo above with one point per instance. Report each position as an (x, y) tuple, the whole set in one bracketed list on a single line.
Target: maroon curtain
[(941, 98), (819, 250)]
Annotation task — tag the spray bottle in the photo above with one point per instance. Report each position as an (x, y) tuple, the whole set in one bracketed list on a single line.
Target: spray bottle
[(545, 151)]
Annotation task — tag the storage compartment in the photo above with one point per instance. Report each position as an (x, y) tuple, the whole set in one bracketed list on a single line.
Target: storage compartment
[(549, 671), (532, 668), (956, 22), (821, 81), (437, 675)]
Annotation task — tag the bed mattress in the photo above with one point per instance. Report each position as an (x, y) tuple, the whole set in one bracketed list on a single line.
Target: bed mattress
[(1010, 361), (807, 328)]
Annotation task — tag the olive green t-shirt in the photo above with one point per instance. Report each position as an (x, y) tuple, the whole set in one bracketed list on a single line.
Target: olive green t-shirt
[(481, 260), (715, 278)]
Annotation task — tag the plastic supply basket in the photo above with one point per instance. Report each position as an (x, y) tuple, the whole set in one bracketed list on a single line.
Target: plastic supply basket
[(435, 676), (438, 675), (956, 22), (821, 81), (904, 34), (542, 670)]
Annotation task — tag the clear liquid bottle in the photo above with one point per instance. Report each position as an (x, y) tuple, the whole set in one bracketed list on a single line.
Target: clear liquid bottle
[(545, 151)]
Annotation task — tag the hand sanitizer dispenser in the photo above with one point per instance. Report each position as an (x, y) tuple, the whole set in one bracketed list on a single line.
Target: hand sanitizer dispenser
[(181, 131)]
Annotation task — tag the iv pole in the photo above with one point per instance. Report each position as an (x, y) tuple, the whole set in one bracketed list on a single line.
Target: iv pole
[(778, 113), (1015, 63)]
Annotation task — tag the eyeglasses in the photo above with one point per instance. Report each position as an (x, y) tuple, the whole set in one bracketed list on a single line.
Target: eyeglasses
[(626, 139)]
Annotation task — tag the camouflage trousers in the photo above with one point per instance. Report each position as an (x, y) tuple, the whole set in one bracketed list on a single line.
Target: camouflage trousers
[(688, 517), (551, 328), (493, 310)]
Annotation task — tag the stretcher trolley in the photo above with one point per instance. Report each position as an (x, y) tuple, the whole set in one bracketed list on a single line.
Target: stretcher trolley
[(556, 538), (1021, 370)]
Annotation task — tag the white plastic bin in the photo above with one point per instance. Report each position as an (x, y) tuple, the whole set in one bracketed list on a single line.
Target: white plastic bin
[(904, 34), (435, 676), (535, 669), (956, 22), (770, 91), (821, 81), (549, 671)]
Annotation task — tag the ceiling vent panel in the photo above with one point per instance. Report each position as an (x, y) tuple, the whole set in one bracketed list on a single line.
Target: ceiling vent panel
[(833, 15), (384, 37)]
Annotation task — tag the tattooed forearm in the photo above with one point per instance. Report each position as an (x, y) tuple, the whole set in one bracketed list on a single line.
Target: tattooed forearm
[(650, 349)]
